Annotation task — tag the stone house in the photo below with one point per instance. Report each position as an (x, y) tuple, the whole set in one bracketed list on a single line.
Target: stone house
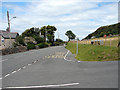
[(7, 39)]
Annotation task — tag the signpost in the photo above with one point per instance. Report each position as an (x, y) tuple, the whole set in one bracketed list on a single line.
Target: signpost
[(77, 48)]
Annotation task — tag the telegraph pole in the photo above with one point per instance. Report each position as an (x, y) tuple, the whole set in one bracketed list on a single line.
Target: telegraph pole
[(8, 21), (9, 28)]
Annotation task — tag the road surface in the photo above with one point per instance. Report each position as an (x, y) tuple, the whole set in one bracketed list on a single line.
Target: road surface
[(54, 67)]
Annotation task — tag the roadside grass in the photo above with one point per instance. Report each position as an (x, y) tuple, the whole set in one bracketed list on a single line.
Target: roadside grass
[(87, 52)]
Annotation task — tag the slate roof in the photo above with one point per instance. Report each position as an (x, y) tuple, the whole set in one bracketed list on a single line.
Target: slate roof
[(7, 35)]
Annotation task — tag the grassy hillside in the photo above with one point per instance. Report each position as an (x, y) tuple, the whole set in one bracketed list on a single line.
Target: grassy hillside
[(94, 52), (100, 32)]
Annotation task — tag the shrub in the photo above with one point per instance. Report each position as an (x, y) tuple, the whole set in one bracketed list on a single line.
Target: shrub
[(15, 44), (30, 46), (43, 45), (59, 40), (57, 43), (38, 39), (50, 44), (46, 44), (20, 40), (66, 43)]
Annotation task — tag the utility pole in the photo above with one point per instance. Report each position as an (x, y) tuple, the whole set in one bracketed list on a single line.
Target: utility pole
[(9, 28), (8, 21)]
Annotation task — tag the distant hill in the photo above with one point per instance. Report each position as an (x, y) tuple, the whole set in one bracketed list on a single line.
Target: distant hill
[(105, 30)]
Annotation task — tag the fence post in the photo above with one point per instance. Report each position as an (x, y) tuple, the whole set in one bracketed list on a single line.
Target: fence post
[(110, 41), (77, 48)]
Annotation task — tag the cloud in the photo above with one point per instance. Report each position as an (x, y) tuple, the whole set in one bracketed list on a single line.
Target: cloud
[(64, 0), (80, 17)]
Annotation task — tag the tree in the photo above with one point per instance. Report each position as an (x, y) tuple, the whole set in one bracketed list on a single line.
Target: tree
[(34, 33), (31, 32), (48, 32), (39, 39), (70, 35), (43, 32)]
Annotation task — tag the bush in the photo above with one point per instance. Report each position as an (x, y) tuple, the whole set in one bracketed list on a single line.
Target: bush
[(59, 40), (38, 39), (57, 43), (20, 40), (30, 46), (15, 44), (66, 43), (50, 44), (43, 45)]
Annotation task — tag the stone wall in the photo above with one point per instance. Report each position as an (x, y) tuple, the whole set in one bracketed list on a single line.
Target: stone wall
[(14, 50)]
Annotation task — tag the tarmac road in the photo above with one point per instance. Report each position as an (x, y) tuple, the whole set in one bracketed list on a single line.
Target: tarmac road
[(52, 68)]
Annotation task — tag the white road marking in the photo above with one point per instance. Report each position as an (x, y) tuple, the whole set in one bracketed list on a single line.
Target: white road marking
[(7, 75), (14, 71), (29, 64), (19, 69), (24, 67), (66, 55), (45, 86), (4, 60), (34, 61), (66, 59)]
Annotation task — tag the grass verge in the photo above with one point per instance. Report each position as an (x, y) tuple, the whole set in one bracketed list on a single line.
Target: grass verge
[(94, 52)]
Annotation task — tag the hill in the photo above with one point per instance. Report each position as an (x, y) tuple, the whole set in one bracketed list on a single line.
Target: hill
[(105, 30)]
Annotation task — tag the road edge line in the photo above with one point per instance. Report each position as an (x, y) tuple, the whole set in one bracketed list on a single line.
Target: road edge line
[(66, 55), (44, 86), (69, 60)]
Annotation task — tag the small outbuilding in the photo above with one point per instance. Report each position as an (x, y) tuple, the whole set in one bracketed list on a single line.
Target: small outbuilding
[(7, 38)]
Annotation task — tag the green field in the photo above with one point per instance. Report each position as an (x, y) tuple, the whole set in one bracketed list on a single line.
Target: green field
[(88, 52)]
